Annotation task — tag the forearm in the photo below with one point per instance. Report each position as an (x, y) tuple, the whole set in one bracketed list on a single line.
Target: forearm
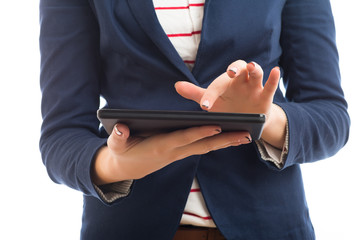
[(275, 127)]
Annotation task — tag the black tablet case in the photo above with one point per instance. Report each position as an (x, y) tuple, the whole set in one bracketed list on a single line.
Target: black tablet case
[(146, 122)]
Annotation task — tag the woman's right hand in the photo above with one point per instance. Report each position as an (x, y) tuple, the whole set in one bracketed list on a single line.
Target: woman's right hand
[(126, 157)]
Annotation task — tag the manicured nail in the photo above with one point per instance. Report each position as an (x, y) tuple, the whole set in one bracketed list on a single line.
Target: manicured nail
[(245, 140), (116, 130), (233, 69), (206, 104)]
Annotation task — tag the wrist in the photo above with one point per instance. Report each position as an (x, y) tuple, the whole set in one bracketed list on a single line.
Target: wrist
[(105, 168), (275, 127)]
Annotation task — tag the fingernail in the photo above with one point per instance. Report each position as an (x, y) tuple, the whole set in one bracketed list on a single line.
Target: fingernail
[(117, 132), (218, 130), (206, 104), (233, 69), (245, 140)]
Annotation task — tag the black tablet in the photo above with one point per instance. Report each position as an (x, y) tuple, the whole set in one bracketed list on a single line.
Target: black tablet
[(146, 122)]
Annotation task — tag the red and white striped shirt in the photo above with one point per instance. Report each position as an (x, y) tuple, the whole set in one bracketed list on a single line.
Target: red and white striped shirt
[(182, 23)]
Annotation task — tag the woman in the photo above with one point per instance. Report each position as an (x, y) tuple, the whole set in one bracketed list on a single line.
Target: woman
[(140, 188)]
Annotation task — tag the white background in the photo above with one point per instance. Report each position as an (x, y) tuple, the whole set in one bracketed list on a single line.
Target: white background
[(32, 207)]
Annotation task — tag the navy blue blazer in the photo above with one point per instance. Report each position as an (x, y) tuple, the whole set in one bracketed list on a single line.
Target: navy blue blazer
[(117, 49)]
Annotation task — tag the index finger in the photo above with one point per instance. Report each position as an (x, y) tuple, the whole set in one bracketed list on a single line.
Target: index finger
[(214, 91), (221, 84)]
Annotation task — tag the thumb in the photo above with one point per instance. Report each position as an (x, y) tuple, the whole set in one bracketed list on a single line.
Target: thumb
[(189, 90), (117, 141)]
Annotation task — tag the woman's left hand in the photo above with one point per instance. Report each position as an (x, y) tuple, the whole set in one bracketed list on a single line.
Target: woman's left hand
[(240, 90)]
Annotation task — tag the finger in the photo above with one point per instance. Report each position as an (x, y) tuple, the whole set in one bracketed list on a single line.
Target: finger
[(221, 84), (255, 73), (235, 68), (188, 136), (189, 91), (217, 142), (214, 91), (272, 83), (117, 140)]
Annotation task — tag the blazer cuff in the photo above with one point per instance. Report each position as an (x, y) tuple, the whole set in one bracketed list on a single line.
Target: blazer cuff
[(272, 154), (109, 193)]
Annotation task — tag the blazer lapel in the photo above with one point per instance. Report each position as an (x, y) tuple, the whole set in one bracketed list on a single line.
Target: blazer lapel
[(144, 13)]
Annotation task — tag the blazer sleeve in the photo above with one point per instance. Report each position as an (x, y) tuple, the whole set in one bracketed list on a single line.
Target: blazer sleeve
[(70, 85), (316, 109)]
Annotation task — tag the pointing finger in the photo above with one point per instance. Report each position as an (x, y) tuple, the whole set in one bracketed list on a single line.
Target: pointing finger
[(214, 91)]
